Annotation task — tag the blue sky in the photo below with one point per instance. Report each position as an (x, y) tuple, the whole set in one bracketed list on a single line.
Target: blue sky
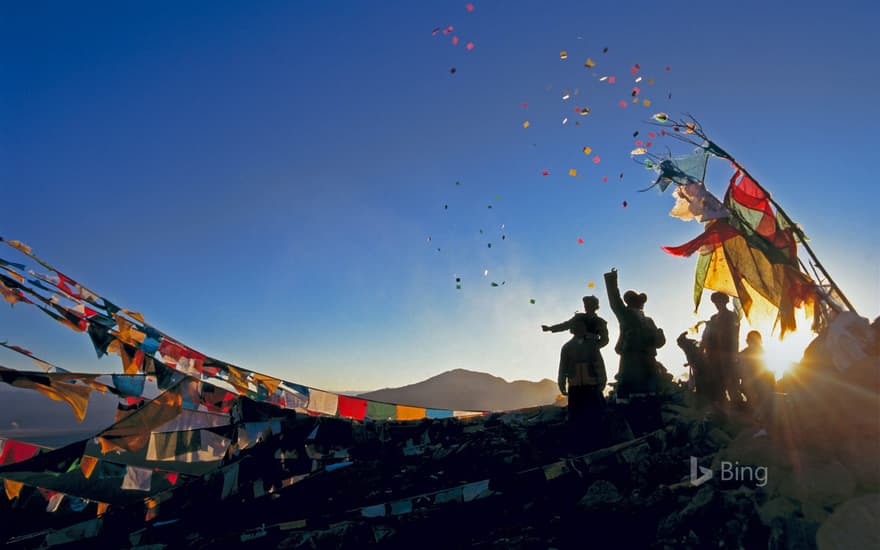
[(261, 180)]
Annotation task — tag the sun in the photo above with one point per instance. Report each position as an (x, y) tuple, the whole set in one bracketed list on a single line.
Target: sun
[(781, 355)]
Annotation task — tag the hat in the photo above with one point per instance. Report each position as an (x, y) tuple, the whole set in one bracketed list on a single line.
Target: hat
[(719, 298), (591, 302)]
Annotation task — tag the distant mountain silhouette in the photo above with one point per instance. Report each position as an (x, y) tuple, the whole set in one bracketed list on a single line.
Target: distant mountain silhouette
[(462, 389), (29, 416)]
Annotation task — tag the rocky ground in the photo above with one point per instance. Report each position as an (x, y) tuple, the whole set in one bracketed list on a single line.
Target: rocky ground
[(527, 479)]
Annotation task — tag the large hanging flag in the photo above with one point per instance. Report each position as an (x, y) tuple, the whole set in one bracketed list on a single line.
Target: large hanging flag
[(751, 254)]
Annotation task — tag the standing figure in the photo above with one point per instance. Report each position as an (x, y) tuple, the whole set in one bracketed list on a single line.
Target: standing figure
[(758, 383), (707, 386), (721, 342), (582, 378), (638, 341)]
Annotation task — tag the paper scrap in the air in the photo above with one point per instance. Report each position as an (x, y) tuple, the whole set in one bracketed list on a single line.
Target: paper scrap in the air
[(580, 240), (590, 63), (572, 172), (526, 124), (469, 7), (587, 150), (591, 284), (470, 46), (596, 159), (563, 54)]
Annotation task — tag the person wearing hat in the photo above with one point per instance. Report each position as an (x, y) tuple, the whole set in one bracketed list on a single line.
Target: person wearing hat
[(638, 341), (590, 334), (721, 342)]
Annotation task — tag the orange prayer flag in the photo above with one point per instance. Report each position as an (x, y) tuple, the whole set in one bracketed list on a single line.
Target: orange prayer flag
[(13, 488), (102, 507), (87, 465), (405, 412)]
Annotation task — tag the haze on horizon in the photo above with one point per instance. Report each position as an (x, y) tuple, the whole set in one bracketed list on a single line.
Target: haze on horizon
[(261, 181)]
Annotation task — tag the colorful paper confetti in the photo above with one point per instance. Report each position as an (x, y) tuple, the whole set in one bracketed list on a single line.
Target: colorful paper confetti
[(563, 54), (470, 46), (580, 240), (596, 159), (526, 124), (591, 284), (587, 150), (589, 63), (469, 7)]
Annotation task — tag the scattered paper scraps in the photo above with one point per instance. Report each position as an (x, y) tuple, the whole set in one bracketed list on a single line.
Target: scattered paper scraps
[(604, 179), (591, 284), (565, 121), (639, 79), (469, 7), (532, 301), (635, 91), (545, 172), (565, 95), (603, 79), (587, 150), (636, 133), (585, 111), (448, 30), (526, 124), (612, 79), (470, 46), (458, 283), (435, 31), (635, 68), (624, 204), (652, 135), (485, 273), (596, 159), (604, 50), (589, 63), (646, 102), (563, 55), (668, 68), (524, 105), (452, 70), (572, 172), (622, 104), (580, 240), (648, 144), (660, 117), (455, 41)]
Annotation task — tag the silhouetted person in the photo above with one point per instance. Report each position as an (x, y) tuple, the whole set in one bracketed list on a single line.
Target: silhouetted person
[(758, 383), (721, 342), (638, 341), (593, 324), (582, 378), (706, 383)]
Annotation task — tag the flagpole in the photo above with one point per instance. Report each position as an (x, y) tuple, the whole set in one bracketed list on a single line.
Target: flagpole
[(800, 234)]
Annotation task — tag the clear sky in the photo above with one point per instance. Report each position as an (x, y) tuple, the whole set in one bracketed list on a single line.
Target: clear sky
[(261, 179)]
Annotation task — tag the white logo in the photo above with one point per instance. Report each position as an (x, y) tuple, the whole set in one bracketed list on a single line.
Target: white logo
[(707, 473)]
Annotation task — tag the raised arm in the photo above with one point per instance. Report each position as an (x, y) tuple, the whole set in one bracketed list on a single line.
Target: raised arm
[(614, 299)]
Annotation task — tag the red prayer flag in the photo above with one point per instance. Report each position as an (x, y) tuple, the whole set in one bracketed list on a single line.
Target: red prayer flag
[(352, 407)]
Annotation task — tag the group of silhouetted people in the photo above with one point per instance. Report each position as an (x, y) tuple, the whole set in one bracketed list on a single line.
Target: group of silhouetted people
[(719, 372)]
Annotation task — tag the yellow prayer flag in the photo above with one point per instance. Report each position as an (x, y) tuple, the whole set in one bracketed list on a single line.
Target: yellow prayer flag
[(13, 488), (271, 384), (134, 315), (18, 245)]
